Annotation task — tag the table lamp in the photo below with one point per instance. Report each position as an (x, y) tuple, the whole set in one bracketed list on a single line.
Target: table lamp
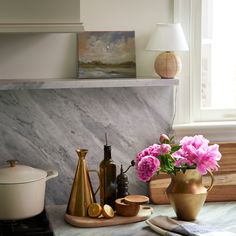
[(167, 38)]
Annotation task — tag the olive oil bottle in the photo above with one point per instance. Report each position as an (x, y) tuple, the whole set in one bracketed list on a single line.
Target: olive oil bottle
[(107, 171)]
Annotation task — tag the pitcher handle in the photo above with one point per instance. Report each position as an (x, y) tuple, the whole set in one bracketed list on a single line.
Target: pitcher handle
[(98, 178), (212, 181)]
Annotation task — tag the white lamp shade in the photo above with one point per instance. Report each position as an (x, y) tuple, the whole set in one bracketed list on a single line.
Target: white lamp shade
[(167, 37)]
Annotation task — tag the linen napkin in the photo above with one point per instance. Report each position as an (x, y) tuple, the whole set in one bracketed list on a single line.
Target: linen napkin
[(167, 226)]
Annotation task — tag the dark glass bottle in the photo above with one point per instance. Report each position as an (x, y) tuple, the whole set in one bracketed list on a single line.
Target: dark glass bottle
[(107, 179)]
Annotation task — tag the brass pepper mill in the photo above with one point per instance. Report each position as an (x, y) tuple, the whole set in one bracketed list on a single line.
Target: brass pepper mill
[(82, 194)]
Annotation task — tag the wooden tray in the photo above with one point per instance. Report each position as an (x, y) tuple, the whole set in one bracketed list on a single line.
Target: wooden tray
[(87, 222)]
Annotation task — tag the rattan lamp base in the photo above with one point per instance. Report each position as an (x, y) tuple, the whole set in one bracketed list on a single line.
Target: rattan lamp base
[(167, 65)]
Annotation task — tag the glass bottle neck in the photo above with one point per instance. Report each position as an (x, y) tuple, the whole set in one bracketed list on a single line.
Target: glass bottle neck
[(107, 152)]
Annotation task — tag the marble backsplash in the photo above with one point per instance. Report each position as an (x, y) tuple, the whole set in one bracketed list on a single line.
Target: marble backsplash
[(43, 128)]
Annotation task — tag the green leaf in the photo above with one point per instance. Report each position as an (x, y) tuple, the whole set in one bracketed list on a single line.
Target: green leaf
[(175, 148)]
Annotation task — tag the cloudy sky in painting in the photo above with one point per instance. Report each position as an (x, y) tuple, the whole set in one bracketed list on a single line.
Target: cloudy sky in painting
[(106, 47)]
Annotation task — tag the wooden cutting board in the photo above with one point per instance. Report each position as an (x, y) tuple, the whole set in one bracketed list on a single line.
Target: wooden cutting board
[(87, 222), (224, 188)]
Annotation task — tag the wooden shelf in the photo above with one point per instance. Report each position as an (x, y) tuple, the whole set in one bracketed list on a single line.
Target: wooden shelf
[(41, 28), (19, 84)]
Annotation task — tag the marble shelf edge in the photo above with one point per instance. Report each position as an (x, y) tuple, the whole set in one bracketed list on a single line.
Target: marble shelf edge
[(20, 84), (6, 28)]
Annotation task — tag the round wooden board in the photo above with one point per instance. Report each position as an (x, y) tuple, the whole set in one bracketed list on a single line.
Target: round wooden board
[(138, 199)]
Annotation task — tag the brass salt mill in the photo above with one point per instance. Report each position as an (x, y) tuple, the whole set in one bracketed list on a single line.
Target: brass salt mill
[(82, 194)]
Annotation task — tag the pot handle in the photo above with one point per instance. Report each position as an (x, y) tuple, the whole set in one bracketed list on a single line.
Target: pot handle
[(51, 174), (212, 181)]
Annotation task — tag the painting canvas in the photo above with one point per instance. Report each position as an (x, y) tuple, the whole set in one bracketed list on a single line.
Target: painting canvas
[(106, 54)]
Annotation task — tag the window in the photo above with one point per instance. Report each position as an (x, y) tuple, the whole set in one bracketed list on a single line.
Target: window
[(218, 64), (207, 91)]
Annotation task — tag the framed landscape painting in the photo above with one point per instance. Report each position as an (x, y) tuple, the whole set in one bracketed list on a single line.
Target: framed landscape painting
[(106, 54)]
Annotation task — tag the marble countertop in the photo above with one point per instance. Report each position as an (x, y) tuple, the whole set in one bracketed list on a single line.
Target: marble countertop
[(222, 215)]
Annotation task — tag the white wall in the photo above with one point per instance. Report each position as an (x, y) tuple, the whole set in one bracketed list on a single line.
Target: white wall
[(54, 55), (138, 15)]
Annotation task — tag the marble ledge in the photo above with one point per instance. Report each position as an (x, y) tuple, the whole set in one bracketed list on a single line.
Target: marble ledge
[(222, 215), (19, 84), (41, 27)]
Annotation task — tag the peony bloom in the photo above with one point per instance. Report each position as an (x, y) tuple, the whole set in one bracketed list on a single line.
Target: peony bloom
[(196, 141), (164, 149), (153, 150), (146, 152), (207, 159), (195, 151), (146, 167)]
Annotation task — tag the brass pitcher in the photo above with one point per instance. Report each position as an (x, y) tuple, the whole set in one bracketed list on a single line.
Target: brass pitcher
[(187, 194), (82, 194)]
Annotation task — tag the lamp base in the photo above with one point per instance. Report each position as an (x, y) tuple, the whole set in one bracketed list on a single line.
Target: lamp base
[(167, 65)]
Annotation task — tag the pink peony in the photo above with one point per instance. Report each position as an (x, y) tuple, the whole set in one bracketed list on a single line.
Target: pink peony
[(146, 167), (164, 149), (153, 150), (195, 151), (196, 141), (146, 152)]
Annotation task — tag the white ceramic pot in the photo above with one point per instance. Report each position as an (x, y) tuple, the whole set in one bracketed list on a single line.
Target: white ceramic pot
[(22, 190)]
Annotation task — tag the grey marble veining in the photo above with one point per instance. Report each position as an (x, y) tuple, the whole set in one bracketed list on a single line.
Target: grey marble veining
[(219, 215), (42, 128)]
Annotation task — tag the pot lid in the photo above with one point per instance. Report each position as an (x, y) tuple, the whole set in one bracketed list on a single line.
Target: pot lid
[(16, 174)]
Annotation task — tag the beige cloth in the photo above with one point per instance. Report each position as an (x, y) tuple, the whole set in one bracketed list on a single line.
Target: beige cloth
[(167, 226)]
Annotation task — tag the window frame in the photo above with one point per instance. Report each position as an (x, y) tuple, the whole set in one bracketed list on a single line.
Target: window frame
[(190, 118)]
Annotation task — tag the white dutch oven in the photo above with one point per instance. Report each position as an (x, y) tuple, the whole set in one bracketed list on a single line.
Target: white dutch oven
[(22, 190)]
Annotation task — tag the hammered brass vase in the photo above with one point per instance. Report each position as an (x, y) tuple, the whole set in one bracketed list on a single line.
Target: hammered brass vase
[(187, 194)]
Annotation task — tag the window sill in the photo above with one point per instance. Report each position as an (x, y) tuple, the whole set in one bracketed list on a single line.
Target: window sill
[(214, 131)]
